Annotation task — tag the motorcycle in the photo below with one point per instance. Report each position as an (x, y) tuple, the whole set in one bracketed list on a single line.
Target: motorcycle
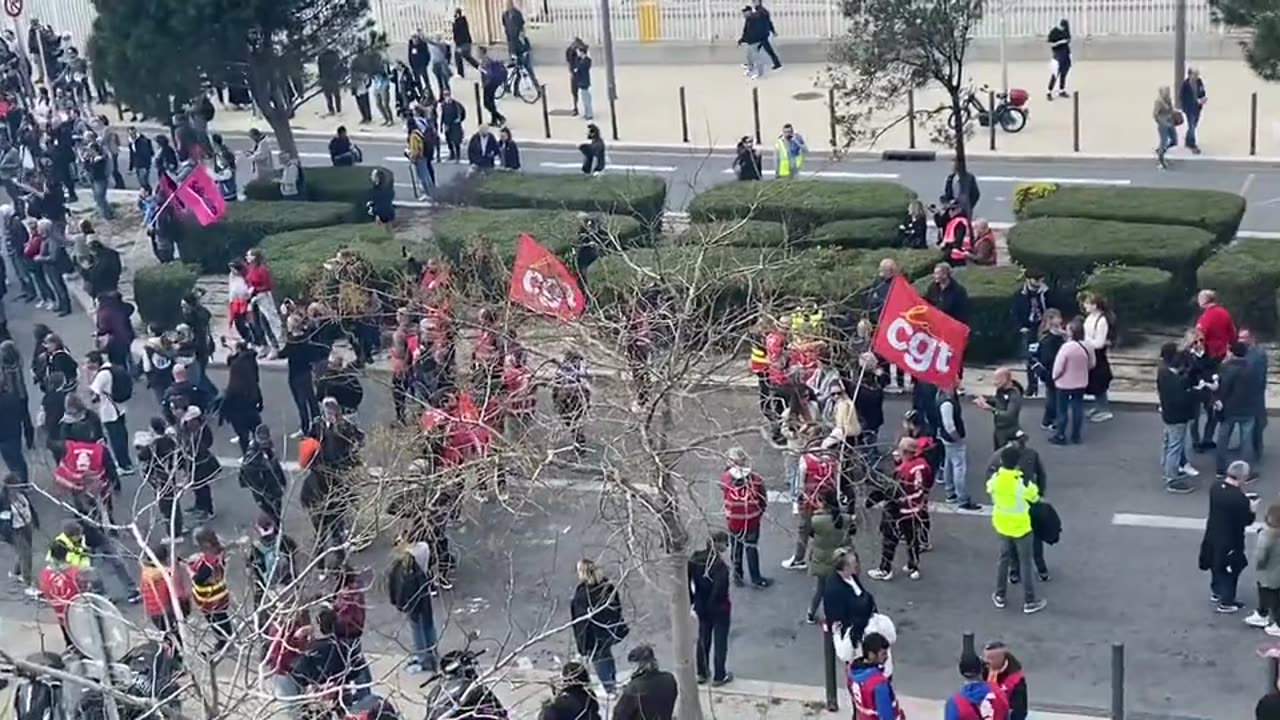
[(458, 693), (1008, 112), (148, 672)]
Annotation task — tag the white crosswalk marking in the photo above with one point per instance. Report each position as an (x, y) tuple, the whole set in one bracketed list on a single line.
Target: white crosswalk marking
[(1166, 522)]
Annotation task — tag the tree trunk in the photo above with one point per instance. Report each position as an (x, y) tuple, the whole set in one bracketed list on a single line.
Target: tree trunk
[(957, 114), (268, 95), (279, 121)]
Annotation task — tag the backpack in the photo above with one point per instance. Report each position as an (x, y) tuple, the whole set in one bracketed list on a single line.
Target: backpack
[(1045, 523), (121, 384)]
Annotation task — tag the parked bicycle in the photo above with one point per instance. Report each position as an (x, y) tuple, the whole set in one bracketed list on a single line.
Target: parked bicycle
[(519, 84), (1009, 111)]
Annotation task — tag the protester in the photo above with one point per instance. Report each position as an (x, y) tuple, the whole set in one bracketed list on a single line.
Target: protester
[(869, 687), (1177, 409), (709, 597), (789, 152), (61, 582), (818, 467), (274, 560), (197, 464), (342, 152), (508, 150), (1215, 325), (902, 519), (1011, 497), (409, 588), (1236, 401), (1005, 406), (745, 502), (209, 584), (166, 592), (598, 626), (651, 693), (1222, 550), (1033, 472), (831, 530), (1005, 672), (157, 451), (976, 698), (111, 387), (951, 432)]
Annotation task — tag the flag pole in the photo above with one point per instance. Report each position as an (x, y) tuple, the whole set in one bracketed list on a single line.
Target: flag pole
[(165, 204)]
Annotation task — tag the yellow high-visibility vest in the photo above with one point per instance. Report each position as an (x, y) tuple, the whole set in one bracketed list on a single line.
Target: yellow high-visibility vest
[(783, 150)]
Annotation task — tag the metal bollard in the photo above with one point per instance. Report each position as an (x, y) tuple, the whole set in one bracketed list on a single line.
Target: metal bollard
[(1117, 681), (829, 668), (613, 116), (755, 111), (479, 104), (546, 116), (911, 119), (684, 117), (991, 117), (1253, 124), (967, 646), (831, 116), (1075, 120)]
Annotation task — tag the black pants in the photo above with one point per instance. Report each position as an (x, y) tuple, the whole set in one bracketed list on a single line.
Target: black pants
[(491, 104), (243, 424), (1269, 603), (464, 53), (819, 589), (768, 48), (907, 529), (746, 542), (303, 389), (333, 99), (713, 629), (271, 505), (573, 90), (220, 621), (204, 497), (400, 386), (118, 438), (1037, 555), (366, 111), (1064, 67), (166, 504), (1201, 437), (1222, 582)]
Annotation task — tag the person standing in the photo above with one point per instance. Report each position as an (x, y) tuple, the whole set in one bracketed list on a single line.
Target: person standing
[(1005, 672), (709, 598), (977, 698), (903, 517), (582, 83), (241, 404), (409, 587), (1202, 375), (831, 529), (452, 115), (262, 475), (420, 59), (1236, 401), (766, 22), (818, 470), (847, 606), (1166, 118), (1266, 568), (570, 61), (1231, 512), (1255, 360), (361, 84), (870, 689), (141, 157), (747, 164), (955, 465), (789, 151), (745, 501), (596, 610), (1029, 306), (209, 584), (1177, 408), (961, 187), (1005, 407), (651, 693), (110, 388), (16, 428), (261, 155), (1098, 335), (19, 529), (1191, 99), (61, 581), (1060, 58), (330, 70), (1032, 472), (508, 150), (1011, 499), (1215, 326), (462, 42)]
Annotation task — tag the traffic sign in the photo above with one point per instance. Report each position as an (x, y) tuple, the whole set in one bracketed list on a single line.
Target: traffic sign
[(13, 8), (97, 628)]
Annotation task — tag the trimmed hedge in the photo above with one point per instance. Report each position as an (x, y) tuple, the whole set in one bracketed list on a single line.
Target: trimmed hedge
[(454, 228), (1215, 211), (641, 196), (736, 233), (323, 184), (802, 204), (1143, 294), (1246, 276), (297, 258), (1068, 249), (158, 292), (246, 224), (862, 233), (991, 290)]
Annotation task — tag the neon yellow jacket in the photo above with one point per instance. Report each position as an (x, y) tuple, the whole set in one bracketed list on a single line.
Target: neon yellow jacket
[(1011, 499)]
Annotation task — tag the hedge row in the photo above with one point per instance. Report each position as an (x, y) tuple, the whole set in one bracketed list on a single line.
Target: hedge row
[(861, 234), (246, 223), (1141, 294), (1246, 276), (643, 197), (991, 291), (1214, 211), (1068, 249), (158, 291), (297, 258), (802, 204), (455, 228), (324, 184)]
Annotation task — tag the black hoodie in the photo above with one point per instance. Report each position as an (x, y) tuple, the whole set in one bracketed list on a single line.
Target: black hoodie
[(708, 584)]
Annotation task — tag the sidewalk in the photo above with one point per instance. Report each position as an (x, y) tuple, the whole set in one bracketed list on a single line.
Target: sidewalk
[(1116, 100)]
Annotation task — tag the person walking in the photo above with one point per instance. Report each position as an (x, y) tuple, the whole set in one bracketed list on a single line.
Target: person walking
[(462, 42), (165, 585), (1177, 409), (1011, 499), (596, 609), (16, 429), (745, 502), (955, 464), (241, 405), (1071, 376), (1255, 360), (651, 693), (262, 475), (1059, 58), (1029, 306), (199, 467), (870, 686), (709, 598), (110, 388), (141, 157), (1032, 472), (789, 153), (754, 34), (209, 584), (1222, 553), (831, 530), (1005, 407), (1236, 401), (1167, 121), (61, 582), (766, 22), (847, 606), (409, 588), (1191, 99), (492, 75), (17, 527), (1266, 568), (818, 477)]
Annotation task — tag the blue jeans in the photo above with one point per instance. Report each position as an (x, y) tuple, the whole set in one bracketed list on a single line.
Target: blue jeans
[(1172, 450), (1229, 423), (1193, 121), (606, 669), (424, 640), (1070, 401), (1168, 138), (955, 470), (584, 97), (100, 199), (1050, 415), (791, 474), (422, 169)]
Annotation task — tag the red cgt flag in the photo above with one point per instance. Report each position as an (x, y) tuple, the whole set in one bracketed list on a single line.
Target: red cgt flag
[(920, 338), (540, 282)]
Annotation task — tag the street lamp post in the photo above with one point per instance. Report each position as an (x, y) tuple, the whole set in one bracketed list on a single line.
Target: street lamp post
[(1004, 59), (606, 26), (1179, 45)]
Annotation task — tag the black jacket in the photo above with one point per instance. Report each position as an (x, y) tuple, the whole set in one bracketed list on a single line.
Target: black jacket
[(342, 385), (461, 31), (340, 443), (326, 661), (650, 695), (261, 474), (1173, 388), (708, 584), (747, 164), (840, 604), (141, 153), (1028, 308), (1029, 463), (1018, 698), (572, 703), (15, 419), (1237, 389), (952, 300), (962, 189), (1222, 547), (509, 154), (481, 152), (409, 588), (419, 55), (243, 394), (597, 618)]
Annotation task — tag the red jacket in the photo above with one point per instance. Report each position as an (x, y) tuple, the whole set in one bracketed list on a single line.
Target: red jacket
[(1218, 330), (259, 278), (287, 643), (60, 587), (819, 477), (744, 501), (775, 352), (915, 477)]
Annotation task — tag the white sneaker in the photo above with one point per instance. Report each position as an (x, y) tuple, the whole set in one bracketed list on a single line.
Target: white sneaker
[(913, 574), (1103, 416), (31, 592), (295, 435), (792, 563), (235, 440), (878, 574), (1189, 470), (1257, 620), (1272, 630), (795, 507)]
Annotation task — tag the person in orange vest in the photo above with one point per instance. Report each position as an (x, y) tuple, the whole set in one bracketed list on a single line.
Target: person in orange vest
[(60, 583), (1005, 672), (209, 584), (977, 699), (956, 239), (157, 599), (869, 687)]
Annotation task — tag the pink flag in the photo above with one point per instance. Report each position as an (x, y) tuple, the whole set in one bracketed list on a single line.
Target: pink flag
[(199, 195)]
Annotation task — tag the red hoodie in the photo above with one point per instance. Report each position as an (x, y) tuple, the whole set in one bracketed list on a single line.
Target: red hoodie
[(1218, 330)]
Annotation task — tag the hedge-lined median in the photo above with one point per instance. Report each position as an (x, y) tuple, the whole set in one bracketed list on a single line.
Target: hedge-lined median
[(557, 230), (1246, 276), (862, 233), (297, 258), (736, 233), (641, 196), (1140, 294), (992, 336), (1215, 211), (246, 223), (158, 292), (325, 184), (1068, 249), (802, 204)]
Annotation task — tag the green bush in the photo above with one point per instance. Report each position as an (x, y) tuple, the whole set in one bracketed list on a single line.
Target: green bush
[(246, 223), (1026, 192), (1142, 294), (736, 233), (1068, 249), (1215, 211), (802, 204), (323, 184), (880, 232), (557, 230), (263, 190), (158, 291), (992, 337), (1246, 276), (297, 258), (641, 196)]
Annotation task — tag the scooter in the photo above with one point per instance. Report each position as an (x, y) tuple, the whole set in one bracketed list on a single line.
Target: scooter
[(149, 672), (458, 693)]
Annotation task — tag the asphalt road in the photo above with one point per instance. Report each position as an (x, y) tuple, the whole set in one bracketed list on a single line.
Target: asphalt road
[(1125, 571), (688, 173)]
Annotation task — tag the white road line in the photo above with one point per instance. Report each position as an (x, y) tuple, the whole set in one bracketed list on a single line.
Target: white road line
[(1248, 183), (837, 174), (395, 158), (1259, 234), (632, 168), (309, 156), (1056, 181), (1166, 522)]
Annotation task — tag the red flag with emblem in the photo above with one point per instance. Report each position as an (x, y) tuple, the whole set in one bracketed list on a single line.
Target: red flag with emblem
[(920, 338), (199, 195), (540, 282)]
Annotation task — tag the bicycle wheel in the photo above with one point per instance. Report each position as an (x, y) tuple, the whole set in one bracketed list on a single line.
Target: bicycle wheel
[(527, 90), (1013, 119), (501, 91)]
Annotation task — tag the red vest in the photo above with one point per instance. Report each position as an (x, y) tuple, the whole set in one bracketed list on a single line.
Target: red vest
[(819, 475), (1008, 684), (915, 477), (743, 504), (60, 587), (775, 350), (954, 251), (993, 707), (864, 698), (83, 468), (518, 383)]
